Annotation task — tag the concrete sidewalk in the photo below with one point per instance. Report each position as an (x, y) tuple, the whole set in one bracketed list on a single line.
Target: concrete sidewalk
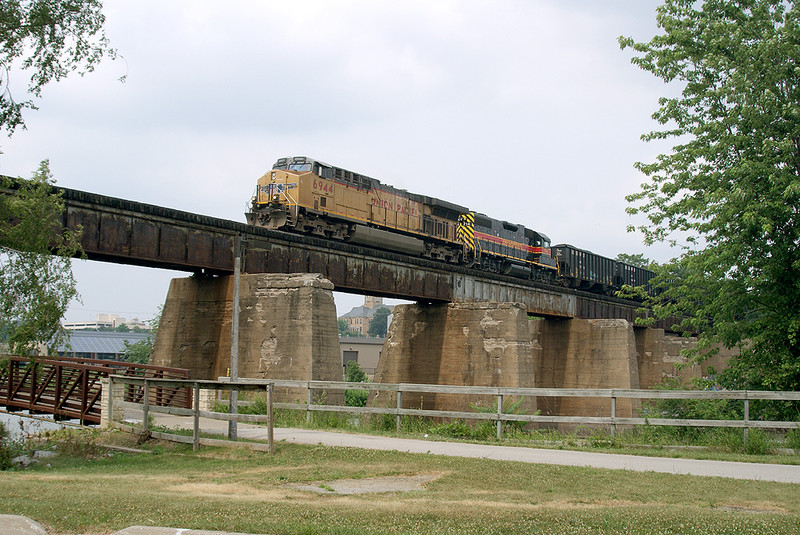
[(20, 525), (736, 470)]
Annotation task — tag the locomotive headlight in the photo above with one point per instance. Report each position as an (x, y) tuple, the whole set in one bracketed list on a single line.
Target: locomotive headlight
[(276, 197)]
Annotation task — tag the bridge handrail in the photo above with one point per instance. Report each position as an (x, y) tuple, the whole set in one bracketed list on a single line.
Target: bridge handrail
[(70, 387)]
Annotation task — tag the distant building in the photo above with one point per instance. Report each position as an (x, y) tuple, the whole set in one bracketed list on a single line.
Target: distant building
[(359, 317), (366, 351), (98, 345), (110, 321)]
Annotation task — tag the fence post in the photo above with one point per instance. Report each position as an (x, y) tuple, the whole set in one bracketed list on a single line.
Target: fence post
[(271, 425), (499, 414), (308, 403), (106, 402), (32, 395), (613, 414), (196, 417), (399, 404), (57, 402), (146, 408), (746, 419)]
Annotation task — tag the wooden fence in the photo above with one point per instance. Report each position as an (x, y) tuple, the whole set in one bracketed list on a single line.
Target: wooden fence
[(498, 416)]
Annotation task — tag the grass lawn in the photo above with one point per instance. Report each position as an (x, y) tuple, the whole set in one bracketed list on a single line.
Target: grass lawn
[(87, 490)]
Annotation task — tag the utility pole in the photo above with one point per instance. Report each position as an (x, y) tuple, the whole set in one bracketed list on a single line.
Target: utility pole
[(234, 396)]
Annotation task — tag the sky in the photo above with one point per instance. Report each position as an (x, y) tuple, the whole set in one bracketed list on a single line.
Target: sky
[(527, 111)]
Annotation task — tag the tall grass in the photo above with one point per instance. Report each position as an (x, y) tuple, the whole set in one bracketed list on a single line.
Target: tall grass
[(650, 437)]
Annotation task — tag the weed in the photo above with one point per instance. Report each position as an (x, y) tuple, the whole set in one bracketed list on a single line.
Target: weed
[(793, 439), (74, 443), (9, 448)]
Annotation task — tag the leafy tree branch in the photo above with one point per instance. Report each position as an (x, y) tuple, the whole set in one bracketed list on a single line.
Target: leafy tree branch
[(51, 39)]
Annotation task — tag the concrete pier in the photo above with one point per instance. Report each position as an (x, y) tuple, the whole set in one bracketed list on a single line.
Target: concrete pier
[(471, 344), (497, 344), (287, 328)]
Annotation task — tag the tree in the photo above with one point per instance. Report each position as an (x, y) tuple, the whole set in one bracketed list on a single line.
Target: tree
[(729, 191), (637, 260), (379, 322), (353, 373), (139, 352), (52, 38), (345, 330), (35, 270)]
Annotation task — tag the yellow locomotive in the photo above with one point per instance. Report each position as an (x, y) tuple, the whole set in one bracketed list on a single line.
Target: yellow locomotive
[(309, 196)]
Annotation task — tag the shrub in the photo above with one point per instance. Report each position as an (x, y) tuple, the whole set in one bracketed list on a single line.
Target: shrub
[(8, 448)]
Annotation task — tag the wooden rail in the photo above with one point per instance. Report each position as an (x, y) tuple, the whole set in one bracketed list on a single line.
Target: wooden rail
[(148, 385), (69, 388), (500, 393)]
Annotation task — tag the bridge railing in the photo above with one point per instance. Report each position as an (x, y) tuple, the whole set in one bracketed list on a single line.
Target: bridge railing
[(313, 404), (70, 388)]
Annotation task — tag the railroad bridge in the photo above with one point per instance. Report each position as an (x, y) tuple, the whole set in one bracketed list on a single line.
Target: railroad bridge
[(128, 232), (467, 327)]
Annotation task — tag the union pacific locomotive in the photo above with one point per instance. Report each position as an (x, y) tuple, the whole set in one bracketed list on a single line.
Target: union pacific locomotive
[(304, 195)]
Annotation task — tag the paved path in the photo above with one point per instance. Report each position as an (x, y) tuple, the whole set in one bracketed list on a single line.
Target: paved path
[(20, 525), (736, 470)]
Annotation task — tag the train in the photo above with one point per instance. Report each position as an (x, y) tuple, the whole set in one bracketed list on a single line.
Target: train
[(304, 195)]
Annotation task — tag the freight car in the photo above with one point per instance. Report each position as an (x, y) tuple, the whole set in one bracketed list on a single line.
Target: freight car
[(304, 195)]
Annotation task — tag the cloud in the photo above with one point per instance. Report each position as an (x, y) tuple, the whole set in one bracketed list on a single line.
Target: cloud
[(526, 111)]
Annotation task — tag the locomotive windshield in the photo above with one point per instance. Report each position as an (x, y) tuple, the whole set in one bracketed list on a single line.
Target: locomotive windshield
[(299, 164)]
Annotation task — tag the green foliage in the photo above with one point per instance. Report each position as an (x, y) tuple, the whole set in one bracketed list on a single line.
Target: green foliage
[(356, 398), (80, 443), (344, 330), (8, 448), (139, 352), (793, 439), (342, 323), (354, 374), (36, 274), (51, 38), (379, 322), (637, 260), (729, 191), (484, 429)]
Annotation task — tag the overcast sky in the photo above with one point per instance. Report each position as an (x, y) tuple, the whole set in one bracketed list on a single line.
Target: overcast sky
[(524, 110)]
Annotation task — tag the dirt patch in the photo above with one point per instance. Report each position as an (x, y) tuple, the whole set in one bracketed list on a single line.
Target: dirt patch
[(368, 485), (235, 491), (740, 509)]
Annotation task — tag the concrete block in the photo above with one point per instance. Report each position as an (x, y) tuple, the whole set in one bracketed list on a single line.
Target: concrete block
[(287, 328), (469, 344)]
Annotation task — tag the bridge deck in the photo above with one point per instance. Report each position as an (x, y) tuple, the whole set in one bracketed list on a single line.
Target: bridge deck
[(128, 232)]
